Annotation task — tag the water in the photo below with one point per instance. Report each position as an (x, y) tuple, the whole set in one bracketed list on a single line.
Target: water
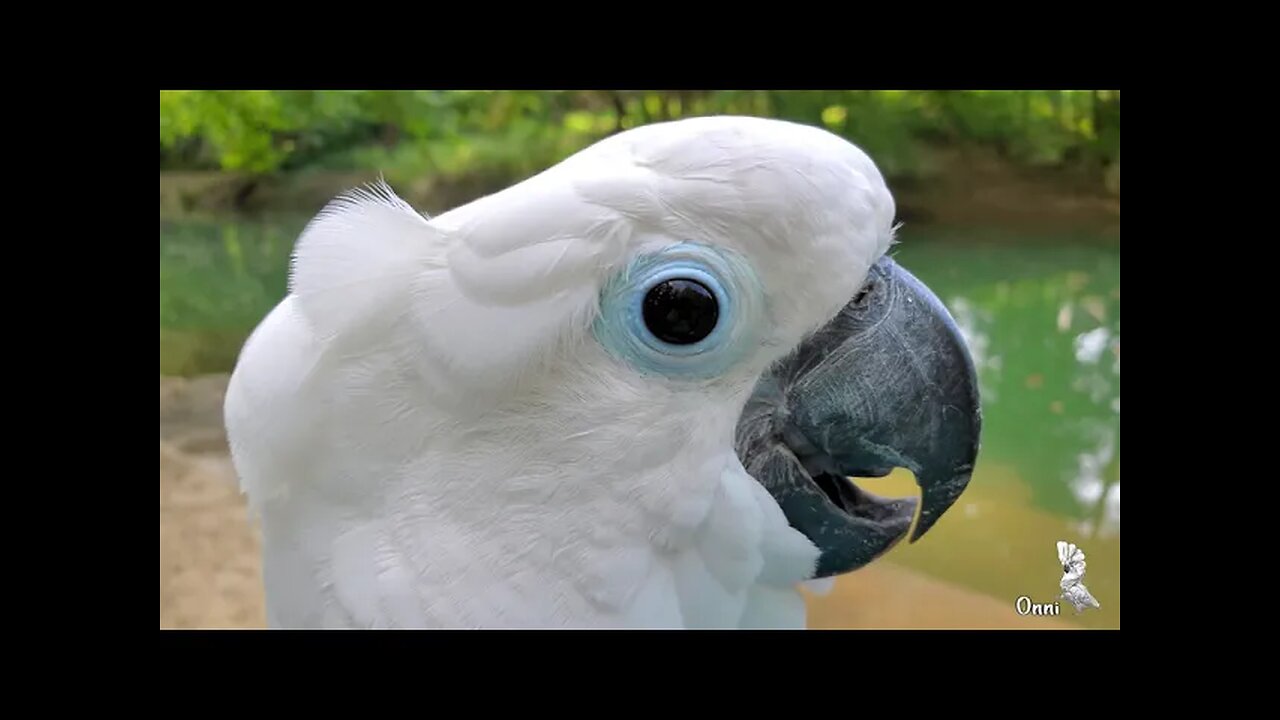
[(1042, 317)]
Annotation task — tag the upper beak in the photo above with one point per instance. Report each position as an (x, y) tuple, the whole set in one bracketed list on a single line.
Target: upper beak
[(887, 383)]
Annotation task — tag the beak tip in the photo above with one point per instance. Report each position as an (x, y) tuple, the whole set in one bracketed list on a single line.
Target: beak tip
[(938, 498)]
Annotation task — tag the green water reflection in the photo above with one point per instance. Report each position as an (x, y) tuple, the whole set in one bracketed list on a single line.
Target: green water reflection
[(1042, 317)]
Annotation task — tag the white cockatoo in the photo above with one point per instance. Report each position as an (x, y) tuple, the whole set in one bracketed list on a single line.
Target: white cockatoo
[(627, 392), (1072, 582)]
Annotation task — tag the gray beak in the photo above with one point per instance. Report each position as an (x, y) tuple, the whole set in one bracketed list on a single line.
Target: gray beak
[(887, 383)]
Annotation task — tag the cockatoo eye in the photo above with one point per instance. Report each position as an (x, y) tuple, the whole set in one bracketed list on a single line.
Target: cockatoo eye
[(680, 311), (686, 311)]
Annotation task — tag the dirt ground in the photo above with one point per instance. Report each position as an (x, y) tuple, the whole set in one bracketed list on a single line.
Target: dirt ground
[(210, 565)]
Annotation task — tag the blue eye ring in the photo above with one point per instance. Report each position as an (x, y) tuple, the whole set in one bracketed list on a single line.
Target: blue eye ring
[(622, 330)]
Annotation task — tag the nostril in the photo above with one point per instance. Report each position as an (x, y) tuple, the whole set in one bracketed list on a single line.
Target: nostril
[(862, 295)]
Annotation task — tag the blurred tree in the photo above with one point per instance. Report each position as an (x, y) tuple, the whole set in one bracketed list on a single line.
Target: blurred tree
[(513, 133)]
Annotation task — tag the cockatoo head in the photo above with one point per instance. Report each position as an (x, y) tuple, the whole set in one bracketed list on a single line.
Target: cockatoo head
[(607, 332)]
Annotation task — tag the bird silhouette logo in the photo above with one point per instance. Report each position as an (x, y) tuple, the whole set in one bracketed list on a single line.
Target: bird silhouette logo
[(1072, 583)]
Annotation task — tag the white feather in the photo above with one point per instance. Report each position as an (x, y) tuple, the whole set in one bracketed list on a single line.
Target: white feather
[(821, 586)]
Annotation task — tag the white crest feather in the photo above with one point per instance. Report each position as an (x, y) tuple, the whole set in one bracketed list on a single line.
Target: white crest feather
[(357, 257), (1071, 557)]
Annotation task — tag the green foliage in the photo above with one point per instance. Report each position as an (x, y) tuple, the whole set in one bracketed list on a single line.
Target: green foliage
[(407, 134)]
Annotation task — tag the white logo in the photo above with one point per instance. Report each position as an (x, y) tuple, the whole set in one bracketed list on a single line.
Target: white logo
[(1072, 583), (1073, 590)]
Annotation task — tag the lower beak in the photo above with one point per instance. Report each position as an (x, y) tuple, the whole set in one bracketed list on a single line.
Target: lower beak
[(887, 383)]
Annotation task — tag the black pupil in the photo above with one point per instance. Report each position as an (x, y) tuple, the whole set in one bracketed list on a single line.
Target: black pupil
[(680, 312)]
